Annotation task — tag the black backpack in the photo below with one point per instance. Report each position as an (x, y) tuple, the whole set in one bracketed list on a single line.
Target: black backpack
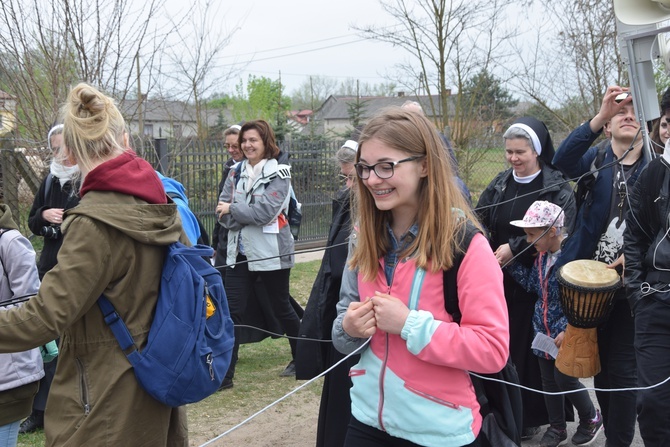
[(586, 183), (500, 404)]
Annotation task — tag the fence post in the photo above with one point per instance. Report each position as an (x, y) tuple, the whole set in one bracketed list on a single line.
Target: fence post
[(161, 146), (10, 180)]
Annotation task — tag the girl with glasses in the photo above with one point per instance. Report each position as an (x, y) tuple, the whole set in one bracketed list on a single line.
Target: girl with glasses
[(411, 386)]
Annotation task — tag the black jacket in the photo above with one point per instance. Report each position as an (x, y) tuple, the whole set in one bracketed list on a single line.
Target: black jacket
[(220, 234), (312, 357), (57, 198), (555, 190), (646, 240)]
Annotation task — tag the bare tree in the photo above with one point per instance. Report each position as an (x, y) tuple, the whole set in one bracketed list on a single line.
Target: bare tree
[(313, 92), (193, 56), (47, 46), (574, 58), (447, 41)]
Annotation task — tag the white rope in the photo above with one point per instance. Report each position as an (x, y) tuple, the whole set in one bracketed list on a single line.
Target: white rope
[(284, 397), (559, 393)]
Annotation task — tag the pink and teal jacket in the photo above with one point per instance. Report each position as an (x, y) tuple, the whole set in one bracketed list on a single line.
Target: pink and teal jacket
[(416, 385)]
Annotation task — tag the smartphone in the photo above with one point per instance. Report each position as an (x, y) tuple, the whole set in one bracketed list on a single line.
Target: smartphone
[(621, 96)]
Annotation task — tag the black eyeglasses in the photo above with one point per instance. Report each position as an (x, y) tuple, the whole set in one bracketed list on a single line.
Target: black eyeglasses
[(383, 169)]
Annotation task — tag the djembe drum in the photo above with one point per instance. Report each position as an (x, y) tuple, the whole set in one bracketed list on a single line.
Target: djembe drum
[(587, 292)]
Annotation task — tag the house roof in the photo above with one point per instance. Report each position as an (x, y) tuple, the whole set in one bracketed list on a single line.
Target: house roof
[(337, 107), (164, 110), (300, 116), (4, 95)]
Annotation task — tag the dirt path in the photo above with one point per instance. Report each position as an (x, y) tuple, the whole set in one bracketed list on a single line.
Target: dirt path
[(291, 423)]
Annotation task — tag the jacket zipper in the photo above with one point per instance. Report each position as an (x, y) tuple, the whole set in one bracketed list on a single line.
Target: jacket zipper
[(382, 373), (84, 387), (430, 397)]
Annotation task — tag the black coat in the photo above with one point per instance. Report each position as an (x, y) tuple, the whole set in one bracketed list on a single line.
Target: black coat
[(520, 303), (646, 242), (57, 198), (555, 190), (220, 234), (312, 357)]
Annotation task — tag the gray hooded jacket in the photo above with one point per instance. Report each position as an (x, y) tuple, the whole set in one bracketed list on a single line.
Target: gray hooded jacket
[(18, 278), (250, 212)]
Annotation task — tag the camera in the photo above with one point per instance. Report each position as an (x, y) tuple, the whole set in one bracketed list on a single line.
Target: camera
[(621, 96), (51, 232)]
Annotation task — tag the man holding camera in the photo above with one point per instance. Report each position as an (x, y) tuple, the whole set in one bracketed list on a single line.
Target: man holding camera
[(56, 194), (598, 235)]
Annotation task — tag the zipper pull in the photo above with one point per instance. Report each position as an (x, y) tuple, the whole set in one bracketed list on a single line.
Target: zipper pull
[(210, 361)]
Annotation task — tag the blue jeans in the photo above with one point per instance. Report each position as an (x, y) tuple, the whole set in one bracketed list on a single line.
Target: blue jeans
[(652, 346), (9, 434), (617, 359)]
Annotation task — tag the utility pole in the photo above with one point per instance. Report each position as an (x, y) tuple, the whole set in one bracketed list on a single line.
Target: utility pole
[(140, 98)]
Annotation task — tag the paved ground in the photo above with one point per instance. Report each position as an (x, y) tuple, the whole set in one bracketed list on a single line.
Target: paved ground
[(572, 426), (306, 257)]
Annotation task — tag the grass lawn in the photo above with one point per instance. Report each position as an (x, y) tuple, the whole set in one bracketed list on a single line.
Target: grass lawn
[(257, 381)]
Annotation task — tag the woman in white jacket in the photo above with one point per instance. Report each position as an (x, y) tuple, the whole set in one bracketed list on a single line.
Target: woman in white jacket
[(20, 372), (253, 206)]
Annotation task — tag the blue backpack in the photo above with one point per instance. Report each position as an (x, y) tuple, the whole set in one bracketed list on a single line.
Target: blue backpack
[(187, 353)]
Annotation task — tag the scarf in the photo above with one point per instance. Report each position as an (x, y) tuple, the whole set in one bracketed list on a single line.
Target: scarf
[(253, 172), (64, 174)]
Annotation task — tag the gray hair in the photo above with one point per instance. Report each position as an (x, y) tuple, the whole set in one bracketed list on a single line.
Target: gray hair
[(345, 155), (515, 132)]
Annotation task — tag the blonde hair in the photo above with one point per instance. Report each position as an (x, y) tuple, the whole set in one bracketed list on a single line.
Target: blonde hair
[(93, 126), (441, 201)]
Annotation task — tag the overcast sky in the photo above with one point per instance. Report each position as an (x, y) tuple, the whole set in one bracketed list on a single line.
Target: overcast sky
[(302, 38)]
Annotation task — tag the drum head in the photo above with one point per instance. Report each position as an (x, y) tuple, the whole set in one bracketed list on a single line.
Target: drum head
[(589, 274)]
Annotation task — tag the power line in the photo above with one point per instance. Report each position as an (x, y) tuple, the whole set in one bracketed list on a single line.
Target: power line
[(286, 47)]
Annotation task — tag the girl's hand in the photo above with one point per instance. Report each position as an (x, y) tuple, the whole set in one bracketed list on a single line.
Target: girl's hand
[(504, 254), (390, 312), (359, 320), (558, 341)]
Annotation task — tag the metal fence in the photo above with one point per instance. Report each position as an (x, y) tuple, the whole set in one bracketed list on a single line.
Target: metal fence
[(198, 165)]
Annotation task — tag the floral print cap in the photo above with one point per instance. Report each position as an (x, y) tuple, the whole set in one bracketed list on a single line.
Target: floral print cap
[(541, 214)]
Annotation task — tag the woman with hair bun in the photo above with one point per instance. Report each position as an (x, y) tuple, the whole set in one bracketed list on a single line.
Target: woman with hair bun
[(113, 244)]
